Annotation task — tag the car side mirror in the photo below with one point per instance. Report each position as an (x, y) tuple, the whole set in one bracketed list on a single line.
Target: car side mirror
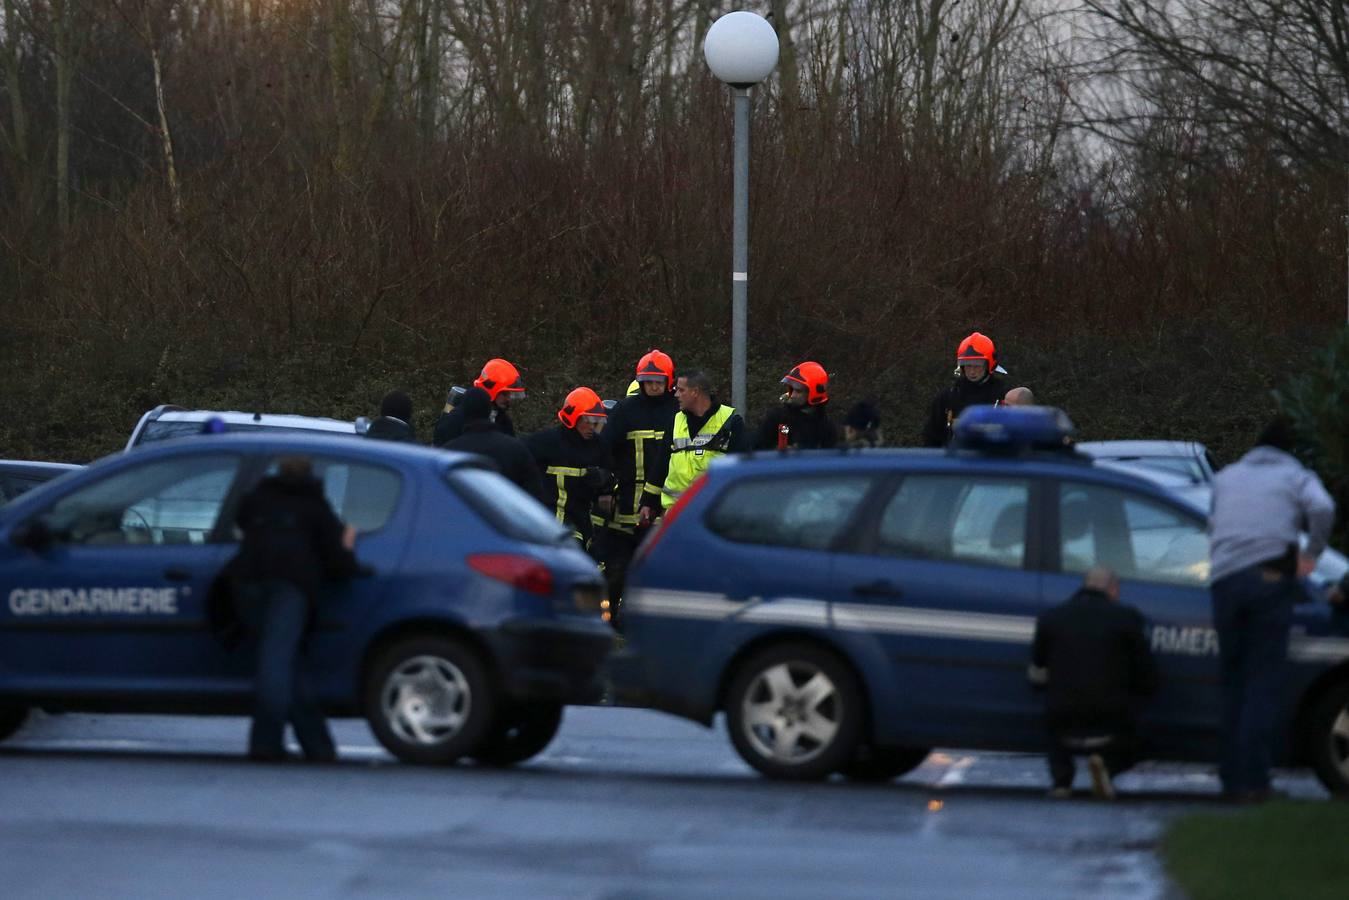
[(33, 535)]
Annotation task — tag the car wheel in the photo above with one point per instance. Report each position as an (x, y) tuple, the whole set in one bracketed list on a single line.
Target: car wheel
[(12, 717), (429, 700), (1328, 736), (795, 711), (522, 730), (883, 763)]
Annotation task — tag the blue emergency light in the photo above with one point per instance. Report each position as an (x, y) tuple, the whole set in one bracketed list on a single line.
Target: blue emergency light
[(1014, 428)]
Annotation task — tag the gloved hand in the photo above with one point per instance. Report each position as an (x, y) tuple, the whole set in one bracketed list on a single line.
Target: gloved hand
[(598, 478)]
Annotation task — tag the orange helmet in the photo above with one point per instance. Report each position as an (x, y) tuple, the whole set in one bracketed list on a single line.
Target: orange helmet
[(977, 348), (656, 366), (582, 401), (497, 376), (811, 376)]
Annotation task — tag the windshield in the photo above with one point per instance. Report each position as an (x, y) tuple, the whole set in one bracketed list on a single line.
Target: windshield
[(506, 508), (163, 431)]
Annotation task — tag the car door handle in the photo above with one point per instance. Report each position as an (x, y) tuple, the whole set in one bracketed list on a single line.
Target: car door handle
[(880, 588), (177, 574)]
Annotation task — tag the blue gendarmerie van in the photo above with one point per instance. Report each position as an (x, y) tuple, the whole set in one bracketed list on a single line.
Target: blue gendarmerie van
[(849, 610), (480, 620)]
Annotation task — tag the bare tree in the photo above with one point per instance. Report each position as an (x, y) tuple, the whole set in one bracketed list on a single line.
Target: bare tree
[(1278, 68)]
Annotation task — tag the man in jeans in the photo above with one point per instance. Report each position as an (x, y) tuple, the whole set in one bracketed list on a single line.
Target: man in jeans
[(1091, 656), (292, 543), (1260, 504)]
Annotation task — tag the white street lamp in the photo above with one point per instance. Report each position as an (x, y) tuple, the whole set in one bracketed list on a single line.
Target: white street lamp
[(741, 49)]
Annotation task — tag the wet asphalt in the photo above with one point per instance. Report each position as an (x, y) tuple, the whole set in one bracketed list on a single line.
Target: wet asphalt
[(623, 804)]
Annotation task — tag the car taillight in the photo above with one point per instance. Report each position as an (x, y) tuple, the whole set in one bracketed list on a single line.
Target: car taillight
[(520, 571), (667, 520)]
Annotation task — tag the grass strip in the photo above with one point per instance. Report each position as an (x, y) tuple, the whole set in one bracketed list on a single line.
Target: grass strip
[(1284, 849)]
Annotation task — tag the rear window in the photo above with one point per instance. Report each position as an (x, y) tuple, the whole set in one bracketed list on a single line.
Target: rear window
[(163, 431), (803, 512), (509, 510)]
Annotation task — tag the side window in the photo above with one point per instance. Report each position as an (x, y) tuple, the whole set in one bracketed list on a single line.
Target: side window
[(175, 501), (361, 494), (957, 518), (806, 512), (1137, 537)]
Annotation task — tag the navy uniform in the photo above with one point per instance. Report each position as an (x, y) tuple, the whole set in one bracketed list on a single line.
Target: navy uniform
[(638, 432), (577, 469)]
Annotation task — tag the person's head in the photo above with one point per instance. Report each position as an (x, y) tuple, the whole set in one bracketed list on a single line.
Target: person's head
[(502, 382), (656, 373), (295, 467), (583, 411), (476, 405), (1279, 434), (1019, 396), (396, 405), (1103, 580), (861, 421), (693, 389), (976, 357), (807, 385)]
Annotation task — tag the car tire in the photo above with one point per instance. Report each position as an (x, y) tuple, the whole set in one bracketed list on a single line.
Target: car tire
[(522, 730), (794, 711), (878, 764), (1328, 738), (12, 717), (429, 700)]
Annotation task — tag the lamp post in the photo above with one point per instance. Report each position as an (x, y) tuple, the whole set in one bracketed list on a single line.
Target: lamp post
[(741, 49)]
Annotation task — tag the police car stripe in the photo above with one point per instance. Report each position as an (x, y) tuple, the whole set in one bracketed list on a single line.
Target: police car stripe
[(788, 611), (1319, 649), (900, 620), (681, 604), (934, 623)]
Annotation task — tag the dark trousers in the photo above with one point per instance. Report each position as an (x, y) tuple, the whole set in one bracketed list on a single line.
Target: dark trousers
[(1252, 611), (1116, 743), (278, 611), (618, 549)]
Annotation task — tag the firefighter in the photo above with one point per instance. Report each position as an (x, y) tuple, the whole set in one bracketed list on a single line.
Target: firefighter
[(703, 430), (801, 419), (977, 382), (503, 385), (576, 465), (638, 432)]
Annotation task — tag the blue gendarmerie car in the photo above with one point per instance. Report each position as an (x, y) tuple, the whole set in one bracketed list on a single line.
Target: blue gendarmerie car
[(481, 619), (849, 610)]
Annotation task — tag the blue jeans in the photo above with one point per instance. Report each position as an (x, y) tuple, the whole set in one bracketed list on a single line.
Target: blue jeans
[(1252, 611), (279, 612)]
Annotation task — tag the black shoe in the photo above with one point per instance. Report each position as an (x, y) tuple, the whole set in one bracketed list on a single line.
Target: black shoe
[(1249, 798), (260, 754)]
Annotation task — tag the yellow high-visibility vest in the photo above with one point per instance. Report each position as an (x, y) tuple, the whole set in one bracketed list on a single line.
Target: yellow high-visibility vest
[(689, 457)]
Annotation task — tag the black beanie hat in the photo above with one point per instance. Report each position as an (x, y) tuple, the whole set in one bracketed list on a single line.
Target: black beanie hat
[(863, 416), (476, 404), (396, 404), (1279, 434)]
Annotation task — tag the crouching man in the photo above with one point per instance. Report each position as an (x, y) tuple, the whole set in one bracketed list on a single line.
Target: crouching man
[(1091, 657)]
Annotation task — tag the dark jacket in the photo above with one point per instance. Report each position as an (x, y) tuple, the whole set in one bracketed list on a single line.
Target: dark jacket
[(290, 534), (576, 472), (387, 428), (451, 424), (1098, 661), (952, 401), (808, 428), (639, 423), (510, 455)]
